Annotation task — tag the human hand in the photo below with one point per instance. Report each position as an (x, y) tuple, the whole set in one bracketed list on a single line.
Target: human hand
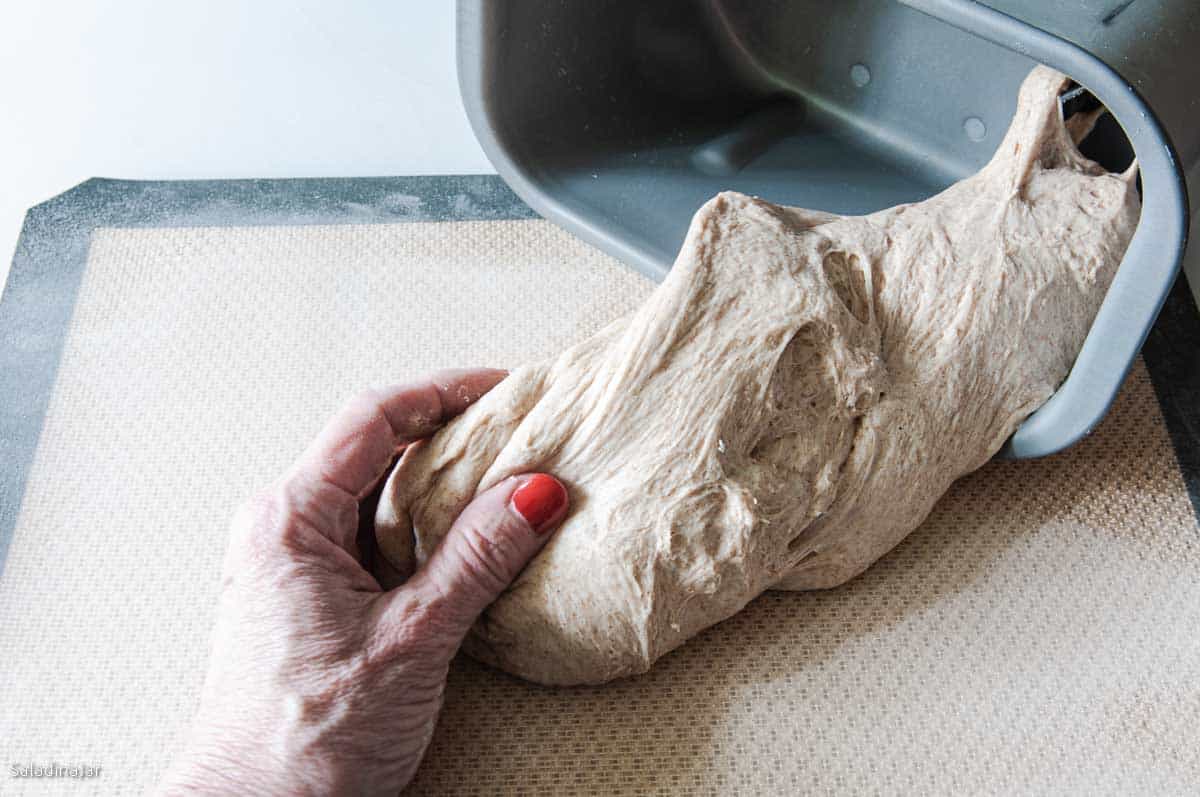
[(319, 681)]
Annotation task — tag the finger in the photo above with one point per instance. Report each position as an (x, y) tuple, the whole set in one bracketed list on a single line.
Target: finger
[(356, 447), (483, 552)]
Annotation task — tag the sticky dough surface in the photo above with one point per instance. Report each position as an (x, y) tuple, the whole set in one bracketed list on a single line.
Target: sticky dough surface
[(783, 410)]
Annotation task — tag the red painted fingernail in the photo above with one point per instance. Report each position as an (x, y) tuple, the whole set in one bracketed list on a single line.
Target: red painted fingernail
[(539, 501)]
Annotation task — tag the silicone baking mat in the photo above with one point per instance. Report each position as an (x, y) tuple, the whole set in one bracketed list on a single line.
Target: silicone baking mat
[(168, 347)]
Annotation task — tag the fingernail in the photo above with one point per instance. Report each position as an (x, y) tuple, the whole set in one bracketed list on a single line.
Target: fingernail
[(539, 501)]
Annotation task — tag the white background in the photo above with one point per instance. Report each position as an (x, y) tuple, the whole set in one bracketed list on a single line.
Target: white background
[(161, 89)]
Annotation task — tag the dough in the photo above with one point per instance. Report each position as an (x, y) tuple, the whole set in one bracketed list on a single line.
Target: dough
[(783, 410)]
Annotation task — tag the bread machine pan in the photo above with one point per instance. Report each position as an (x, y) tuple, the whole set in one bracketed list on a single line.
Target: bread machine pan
[(617, 120)]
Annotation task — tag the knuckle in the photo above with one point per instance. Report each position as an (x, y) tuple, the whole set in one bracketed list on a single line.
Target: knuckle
[(431, 627), (419, 630), (366, 402), (486, 557), (268, 520), (363, 409), (262, 504), (256, 515)]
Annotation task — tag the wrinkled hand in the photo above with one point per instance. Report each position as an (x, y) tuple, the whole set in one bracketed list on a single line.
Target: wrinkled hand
[(320, 682)]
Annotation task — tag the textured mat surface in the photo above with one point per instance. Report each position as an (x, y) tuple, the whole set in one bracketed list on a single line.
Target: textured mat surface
[(1037, 634)]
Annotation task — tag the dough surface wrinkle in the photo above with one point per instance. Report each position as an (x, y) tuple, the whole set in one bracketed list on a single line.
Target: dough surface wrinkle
[(783, 409)]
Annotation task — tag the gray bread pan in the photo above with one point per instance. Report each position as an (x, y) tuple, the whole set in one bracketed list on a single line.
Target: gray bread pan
[(618, 119)]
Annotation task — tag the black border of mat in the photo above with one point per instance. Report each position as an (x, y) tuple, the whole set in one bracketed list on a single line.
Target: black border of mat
[(1172, 355), (51, 256)]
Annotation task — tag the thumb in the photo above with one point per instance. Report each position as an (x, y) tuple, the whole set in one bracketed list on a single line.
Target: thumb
[(486, 548)]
